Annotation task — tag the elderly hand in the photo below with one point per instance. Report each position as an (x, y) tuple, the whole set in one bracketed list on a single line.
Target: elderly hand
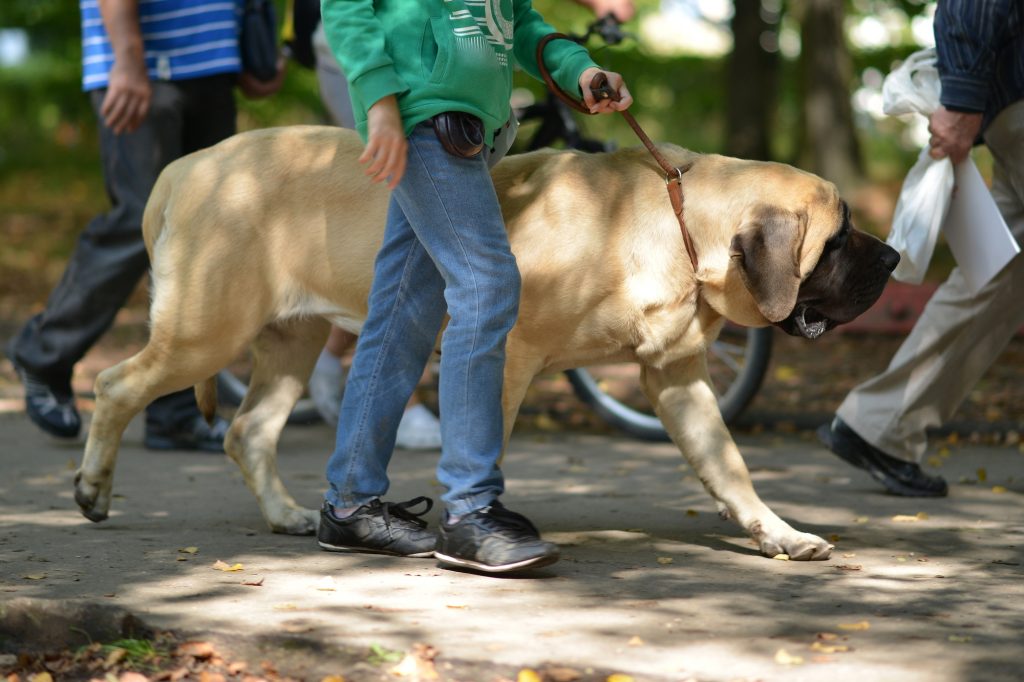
[(607, 105), (953, 134)]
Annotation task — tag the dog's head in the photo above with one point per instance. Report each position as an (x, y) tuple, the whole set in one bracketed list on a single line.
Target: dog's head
[(809, 271)]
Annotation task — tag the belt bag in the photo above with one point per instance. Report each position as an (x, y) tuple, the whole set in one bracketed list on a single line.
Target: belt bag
[(461, 134)]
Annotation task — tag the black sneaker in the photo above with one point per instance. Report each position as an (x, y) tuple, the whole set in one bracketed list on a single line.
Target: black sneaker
[(51, 407), (194, 434), (493, 540), (379, 528)]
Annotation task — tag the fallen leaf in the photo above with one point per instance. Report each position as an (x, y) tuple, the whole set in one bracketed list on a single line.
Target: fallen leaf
[(982, 474), (197, 650), (829, 648), (189, 550), (835, 537), (41, 677), (691, 512), (862, 625), (998, 489), (114, 657), (221, 566), (781, 557), (849, 567), (285, 607), (783, 657), (827, 636), (456, 605), (34, 576), (561, 674), (131, 676), (528, 675), (635, 641), (960, 638), (238, 667), (861, 519), (333, 678), (665, 560), (254, 581), (207, 676), (619, 677), (786, 373), (906, 518), (181, 558)]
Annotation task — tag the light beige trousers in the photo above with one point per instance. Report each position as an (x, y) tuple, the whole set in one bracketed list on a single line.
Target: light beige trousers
[(959, 334)]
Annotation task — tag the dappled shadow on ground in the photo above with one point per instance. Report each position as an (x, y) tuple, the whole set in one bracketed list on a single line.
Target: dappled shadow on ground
[(651, 581)]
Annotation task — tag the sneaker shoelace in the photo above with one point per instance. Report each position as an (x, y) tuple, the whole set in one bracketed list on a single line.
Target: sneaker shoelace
[(498, 520), (403, 511)]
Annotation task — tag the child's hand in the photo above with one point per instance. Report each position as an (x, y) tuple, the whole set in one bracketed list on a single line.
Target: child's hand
[(605, 105), (386, 146)]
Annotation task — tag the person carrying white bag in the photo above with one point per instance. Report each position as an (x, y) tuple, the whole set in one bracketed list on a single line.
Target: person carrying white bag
[(882, 424)]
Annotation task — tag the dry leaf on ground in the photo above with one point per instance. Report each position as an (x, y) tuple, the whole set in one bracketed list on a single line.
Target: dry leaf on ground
[(222, 566)]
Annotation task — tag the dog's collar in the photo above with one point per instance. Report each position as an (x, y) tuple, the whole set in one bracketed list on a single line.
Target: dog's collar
[(601, 90)]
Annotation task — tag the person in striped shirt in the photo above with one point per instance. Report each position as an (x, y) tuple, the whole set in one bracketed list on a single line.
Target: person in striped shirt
[(160, 75)]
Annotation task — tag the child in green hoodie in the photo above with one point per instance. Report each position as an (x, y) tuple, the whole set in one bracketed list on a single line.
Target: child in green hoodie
[(430, 82)]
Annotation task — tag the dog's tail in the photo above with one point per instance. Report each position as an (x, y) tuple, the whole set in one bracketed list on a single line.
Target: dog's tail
[(206, 398)]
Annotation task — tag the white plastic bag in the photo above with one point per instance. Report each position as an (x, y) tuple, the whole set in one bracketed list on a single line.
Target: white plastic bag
[(928, 188)]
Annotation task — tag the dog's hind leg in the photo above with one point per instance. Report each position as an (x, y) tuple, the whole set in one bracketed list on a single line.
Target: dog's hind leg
[(283, 357), (123, 391), (682, 397), (520, 368)]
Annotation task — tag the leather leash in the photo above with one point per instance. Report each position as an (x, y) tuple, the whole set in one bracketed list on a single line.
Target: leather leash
[(602, 90)]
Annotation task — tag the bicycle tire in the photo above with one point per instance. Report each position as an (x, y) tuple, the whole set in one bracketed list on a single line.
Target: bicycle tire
[(643, 424), (231, 390)]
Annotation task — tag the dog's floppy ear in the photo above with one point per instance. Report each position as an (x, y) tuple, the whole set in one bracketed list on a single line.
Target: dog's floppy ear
[(767, 252)]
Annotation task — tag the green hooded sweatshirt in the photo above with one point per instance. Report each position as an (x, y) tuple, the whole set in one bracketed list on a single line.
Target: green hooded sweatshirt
[(443, 55)]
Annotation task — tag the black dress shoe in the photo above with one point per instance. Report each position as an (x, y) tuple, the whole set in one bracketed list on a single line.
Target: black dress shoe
[(193, 434), (898, 476), (49, 405)]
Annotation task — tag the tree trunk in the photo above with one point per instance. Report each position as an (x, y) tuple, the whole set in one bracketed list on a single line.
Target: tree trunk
[(828, 142), (752, 81)]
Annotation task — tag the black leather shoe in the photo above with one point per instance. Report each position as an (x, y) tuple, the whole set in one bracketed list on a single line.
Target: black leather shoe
[(898, 476), (51, 407), (493, 540), (378, 528), (193, 434)]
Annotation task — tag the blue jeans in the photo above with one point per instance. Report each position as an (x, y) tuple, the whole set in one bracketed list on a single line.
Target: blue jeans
[(445, 249)]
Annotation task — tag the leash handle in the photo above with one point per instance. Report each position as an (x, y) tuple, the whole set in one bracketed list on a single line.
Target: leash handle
[(601, 89)]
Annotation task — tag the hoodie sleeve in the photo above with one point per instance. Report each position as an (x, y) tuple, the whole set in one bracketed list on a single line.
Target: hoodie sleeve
[(357, 40), (564, 59)]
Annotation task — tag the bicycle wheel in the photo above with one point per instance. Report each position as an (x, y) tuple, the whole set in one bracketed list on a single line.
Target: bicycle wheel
[(232, 386), (737, 363)]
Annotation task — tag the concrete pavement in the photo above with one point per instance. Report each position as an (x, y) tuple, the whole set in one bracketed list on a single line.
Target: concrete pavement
[(651, 584)]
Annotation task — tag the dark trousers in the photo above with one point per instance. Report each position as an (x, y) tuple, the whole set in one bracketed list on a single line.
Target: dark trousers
[(110, 256)]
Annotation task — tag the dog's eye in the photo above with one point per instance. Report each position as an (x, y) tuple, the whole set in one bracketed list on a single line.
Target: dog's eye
[(838, 240)]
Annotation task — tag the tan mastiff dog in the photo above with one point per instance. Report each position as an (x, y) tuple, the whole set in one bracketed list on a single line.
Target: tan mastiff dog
[(263, 239)]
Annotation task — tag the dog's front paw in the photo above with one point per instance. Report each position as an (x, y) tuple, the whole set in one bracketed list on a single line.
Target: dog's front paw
[(93, 500), (295, 521), (796, 545)]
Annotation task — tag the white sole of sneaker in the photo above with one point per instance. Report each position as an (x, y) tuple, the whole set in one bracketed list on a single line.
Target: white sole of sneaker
[(535, 562), (362, 550)]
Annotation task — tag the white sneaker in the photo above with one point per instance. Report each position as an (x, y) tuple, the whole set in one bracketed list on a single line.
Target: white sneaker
[(419, 429), (326, 386)]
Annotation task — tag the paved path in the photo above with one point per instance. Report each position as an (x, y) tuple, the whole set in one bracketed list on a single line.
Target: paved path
[(651, 584)]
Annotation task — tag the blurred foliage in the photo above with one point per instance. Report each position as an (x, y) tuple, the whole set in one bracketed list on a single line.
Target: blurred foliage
[(48, 132)]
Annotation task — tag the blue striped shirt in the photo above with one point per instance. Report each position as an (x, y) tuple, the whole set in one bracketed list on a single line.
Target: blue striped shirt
[(183, 39), (980, 47)]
